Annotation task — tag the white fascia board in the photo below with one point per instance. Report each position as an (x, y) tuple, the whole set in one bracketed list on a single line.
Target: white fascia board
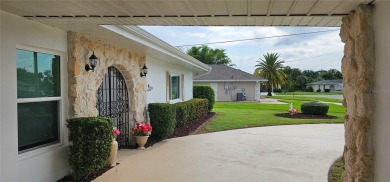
[(230, 80), (141, 36)]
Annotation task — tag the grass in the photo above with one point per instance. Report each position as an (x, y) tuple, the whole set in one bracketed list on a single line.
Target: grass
[(302, 98), (336, 171), (236, 115), (310, 93)]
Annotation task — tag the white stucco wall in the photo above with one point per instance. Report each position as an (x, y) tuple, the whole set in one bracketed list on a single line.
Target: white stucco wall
[(231, 95), (381, 124), (321, 87), (44, 164), (156, 78)]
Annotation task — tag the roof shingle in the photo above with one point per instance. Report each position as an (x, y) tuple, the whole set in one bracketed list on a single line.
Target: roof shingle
[(221, 72)]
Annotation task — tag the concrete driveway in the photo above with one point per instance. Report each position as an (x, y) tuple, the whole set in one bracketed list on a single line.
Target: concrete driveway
[(276, 153)]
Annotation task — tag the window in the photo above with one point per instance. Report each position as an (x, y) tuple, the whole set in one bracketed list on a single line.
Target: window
[(174, 87), (39, 97)]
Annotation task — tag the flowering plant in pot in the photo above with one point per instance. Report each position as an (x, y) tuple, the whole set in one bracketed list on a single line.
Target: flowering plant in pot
[(293, 111), (115, 132), (141, 131), (114, 147)]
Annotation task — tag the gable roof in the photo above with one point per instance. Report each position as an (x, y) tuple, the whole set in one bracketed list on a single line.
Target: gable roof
[(327, 82), (225, 73)]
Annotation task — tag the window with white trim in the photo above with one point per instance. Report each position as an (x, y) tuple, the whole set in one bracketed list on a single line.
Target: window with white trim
[(39, 98), (174, 87)]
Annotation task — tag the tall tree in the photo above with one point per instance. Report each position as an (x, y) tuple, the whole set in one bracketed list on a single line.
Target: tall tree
[(270, 68), (209, 55)]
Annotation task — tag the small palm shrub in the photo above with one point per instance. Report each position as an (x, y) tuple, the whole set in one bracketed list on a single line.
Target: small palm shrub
[(314, 108)]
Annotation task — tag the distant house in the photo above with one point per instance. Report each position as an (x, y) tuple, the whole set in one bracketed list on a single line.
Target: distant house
[(231, 84), (332, 85)]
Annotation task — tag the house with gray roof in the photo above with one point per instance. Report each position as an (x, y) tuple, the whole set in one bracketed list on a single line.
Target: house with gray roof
[(332, 85), (230, 84)]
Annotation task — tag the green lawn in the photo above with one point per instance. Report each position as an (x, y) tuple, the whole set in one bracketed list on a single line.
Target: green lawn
[(302, 98), (236, 115), (310, 93)]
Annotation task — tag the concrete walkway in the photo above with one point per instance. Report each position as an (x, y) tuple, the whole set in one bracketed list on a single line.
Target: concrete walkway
[(276, 153)]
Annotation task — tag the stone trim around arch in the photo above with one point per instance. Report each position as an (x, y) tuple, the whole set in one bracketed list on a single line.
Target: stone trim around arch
[(83, 85)]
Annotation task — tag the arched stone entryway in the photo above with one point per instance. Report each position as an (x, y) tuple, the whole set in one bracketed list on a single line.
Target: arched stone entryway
[(83, 85)]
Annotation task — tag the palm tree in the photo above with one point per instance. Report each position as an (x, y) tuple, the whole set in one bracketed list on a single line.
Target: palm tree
[(270, 68)]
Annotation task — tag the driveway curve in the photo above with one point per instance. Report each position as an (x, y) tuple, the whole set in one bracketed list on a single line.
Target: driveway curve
[(275, 153)]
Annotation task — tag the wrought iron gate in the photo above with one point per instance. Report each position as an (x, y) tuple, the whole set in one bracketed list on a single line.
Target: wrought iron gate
[(113, 102)]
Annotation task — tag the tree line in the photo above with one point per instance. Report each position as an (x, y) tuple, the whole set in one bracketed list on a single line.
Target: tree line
[(280, 77)]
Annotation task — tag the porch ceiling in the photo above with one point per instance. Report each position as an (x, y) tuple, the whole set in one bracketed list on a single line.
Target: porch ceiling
[(66, 13)]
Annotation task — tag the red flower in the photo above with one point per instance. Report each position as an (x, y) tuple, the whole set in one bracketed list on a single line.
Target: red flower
[(142, 129), (116, 131)]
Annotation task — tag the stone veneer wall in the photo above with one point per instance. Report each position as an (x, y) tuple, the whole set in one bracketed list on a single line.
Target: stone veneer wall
[(358, 66), (83, 85)]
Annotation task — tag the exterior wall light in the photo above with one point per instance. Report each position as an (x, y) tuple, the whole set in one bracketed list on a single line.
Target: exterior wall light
[(144, 71), (92, 62)]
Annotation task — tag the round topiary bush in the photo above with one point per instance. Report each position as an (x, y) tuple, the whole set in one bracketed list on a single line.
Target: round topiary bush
[(314, 108)]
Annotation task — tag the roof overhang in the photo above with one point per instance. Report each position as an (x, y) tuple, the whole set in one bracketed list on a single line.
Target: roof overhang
[(62, 13), (157, 48)]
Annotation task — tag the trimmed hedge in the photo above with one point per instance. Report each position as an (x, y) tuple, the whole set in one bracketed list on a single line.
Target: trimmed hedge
[(314, 108), (163, 120), (190, 110), (205, 92), (327, 90), (90, 144)]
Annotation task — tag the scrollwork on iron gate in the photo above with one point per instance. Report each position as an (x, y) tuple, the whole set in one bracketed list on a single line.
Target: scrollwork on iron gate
[(113, 102)]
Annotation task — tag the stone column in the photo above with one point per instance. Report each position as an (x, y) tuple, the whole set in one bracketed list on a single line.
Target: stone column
[(358, 66)]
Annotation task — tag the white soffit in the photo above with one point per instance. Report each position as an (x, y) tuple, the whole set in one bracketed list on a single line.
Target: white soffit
[(60, 13)]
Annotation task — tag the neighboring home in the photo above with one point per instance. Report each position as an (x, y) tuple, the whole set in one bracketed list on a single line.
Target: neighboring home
[(332, 85), (44, 82), (230, 84)]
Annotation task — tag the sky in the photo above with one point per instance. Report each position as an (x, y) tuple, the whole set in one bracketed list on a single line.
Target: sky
[(315, 51)]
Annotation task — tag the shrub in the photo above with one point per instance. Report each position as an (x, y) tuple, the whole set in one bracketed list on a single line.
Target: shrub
[(278, 90), (182, 113), (327, 90), (90, 144), (205, 92), (314, 108), (162, 118), (310, 89), (318, 90), (190, 110)]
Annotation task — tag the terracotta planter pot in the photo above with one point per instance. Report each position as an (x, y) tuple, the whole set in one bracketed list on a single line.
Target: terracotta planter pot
[(141, 141), (114, 151)]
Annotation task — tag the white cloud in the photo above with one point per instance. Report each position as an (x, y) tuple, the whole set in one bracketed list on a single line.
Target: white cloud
[(245, 53)]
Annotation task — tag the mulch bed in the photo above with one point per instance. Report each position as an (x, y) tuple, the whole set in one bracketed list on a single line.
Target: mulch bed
[(305, 116), (69, 178), (191, 127)]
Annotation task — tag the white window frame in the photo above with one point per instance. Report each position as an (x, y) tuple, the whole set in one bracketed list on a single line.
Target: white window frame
[(25, 154), (170, 88)]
